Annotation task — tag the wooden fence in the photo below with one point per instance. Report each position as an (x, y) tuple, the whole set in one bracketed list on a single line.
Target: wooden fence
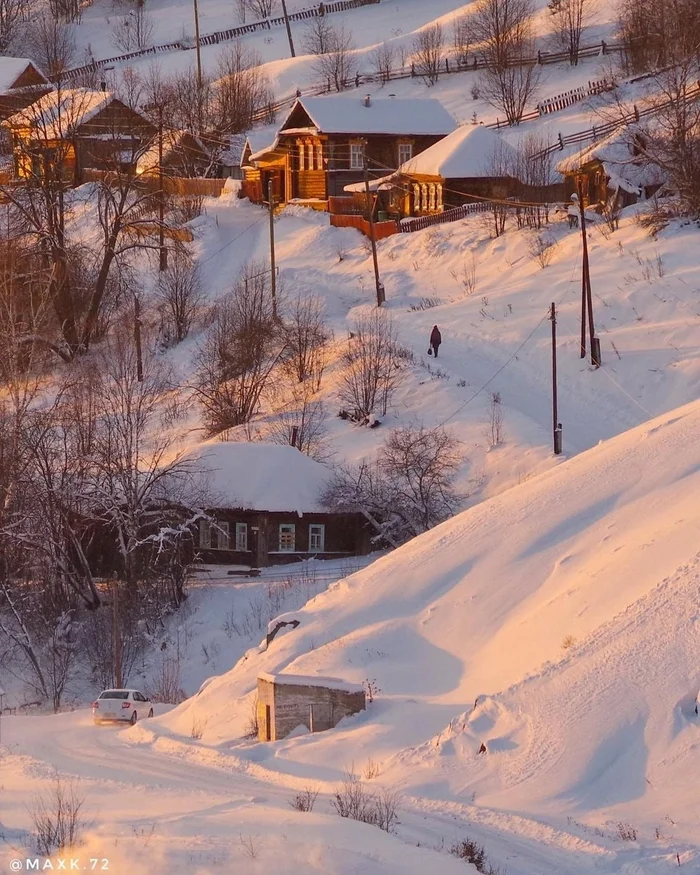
[(381, 229), (408, 226), (219, 36), (597, 132)]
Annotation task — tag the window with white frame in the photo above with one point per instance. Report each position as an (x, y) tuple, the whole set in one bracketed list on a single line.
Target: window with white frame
[(204, 534), (405, 152), (319, 156), (223, 540), (317, 538), (213, 535), (302, 154), (241, 537), (288, 540), (309, 156), (357, 156)]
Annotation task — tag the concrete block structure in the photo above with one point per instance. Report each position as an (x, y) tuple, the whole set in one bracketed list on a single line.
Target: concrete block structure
[(287, 701)]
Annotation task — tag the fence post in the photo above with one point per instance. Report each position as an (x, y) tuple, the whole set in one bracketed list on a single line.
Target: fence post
[(357, 80), (636, 113), (603, 46), (539, 57), (413, 70), (447, 65), (561, 142)]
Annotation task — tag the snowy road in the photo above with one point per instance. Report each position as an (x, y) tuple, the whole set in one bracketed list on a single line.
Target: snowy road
[(186, 804)]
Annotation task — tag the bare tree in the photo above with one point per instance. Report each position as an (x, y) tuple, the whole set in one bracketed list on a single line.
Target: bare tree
[(382, 59), (408, 490), (258, 8), (569, 18), (428, 47), (462, 37), (657, 33), (240, 351), (371, 369), (181, 298), (242, 89), (307, 337), (670, 140), (334, 64), (302, 423), (134, 32), (319, 36), (13, 15), (501, 27), (510, 88), (78, 278), (51, 44)]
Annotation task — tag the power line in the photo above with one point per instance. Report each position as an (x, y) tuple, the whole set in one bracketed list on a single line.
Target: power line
[(233, 239)]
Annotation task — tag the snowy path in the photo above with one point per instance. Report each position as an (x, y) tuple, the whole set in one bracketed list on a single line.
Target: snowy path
[(183, 801)]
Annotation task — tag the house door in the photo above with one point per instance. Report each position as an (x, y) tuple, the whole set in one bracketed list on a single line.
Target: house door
[(268, 723)]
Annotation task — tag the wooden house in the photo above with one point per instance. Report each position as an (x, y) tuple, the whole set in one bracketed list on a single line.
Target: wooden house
[(471, 163), (325, 142), (21, 83), (74, 130), (184, 155), (263, 507), (613, 167)]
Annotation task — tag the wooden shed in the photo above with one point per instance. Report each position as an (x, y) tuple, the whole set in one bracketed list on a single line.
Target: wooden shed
[(614, 167), (289, 701)]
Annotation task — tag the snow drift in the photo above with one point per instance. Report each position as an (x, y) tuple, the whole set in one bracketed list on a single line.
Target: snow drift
[(566, 607)]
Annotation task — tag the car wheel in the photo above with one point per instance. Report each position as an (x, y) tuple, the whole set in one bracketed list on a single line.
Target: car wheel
[(150, 713), (134, 718)]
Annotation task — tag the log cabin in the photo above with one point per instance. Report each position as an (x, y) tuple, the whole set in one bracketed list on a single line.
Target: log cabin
[(614, 167), (325, 142), (264, 507), (74, 130)]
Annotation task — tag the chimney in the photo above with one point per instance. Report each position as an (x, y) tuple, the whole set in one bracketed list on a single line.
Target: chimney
[(368, 100)]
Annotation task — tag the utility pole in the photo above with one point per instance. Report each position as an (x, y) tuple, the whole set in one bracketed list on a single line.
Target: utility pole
[(289, 29), (556, 425), (199, 57), (115, 633), (370, 203), (273, 268), (586, 293), (161, 195), (137, 338)]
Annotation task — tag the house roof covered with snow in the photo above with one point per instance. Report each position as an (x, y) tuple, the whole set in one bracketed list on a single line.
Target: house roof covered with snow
[(305, 680), (12, 69), (383, 115), (618, 153), (466, 153), (172, 140), (58, 113), (258, 476)]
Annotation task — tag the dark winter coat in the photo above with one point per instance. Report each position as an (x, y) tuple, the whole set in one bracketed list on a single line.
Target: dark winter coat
[(435, 337)]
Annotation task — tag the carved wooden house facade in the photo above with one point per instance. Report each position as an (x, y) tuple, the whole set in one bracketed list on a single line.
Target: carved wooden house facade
[(325, 143)]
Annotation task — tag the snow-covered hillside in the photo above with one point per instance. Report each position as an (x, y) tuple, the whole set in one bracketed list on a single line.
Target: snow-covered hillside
[(560, 619)]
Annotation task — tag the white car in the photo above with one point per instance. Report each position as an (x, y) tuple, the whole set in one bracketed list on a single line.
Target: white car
[(126, 705)]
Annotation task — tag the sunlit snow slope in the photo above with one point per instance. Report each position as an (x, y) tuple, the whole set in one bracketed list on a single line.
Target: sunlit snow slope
[(601, 549)]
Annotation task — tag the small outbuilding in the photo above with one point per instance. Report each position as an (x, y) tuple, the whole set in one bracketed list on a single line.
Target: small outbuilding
[(613, 168), (288, 701)]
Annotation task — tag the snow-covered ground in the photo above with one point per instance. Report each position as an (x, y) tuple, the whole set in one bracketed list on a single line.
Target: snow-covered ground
[(555, 622)]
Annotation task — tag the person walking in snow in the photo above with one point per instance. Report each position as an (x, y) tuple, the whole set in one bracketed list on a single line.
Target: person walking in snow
[(435, 340)]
